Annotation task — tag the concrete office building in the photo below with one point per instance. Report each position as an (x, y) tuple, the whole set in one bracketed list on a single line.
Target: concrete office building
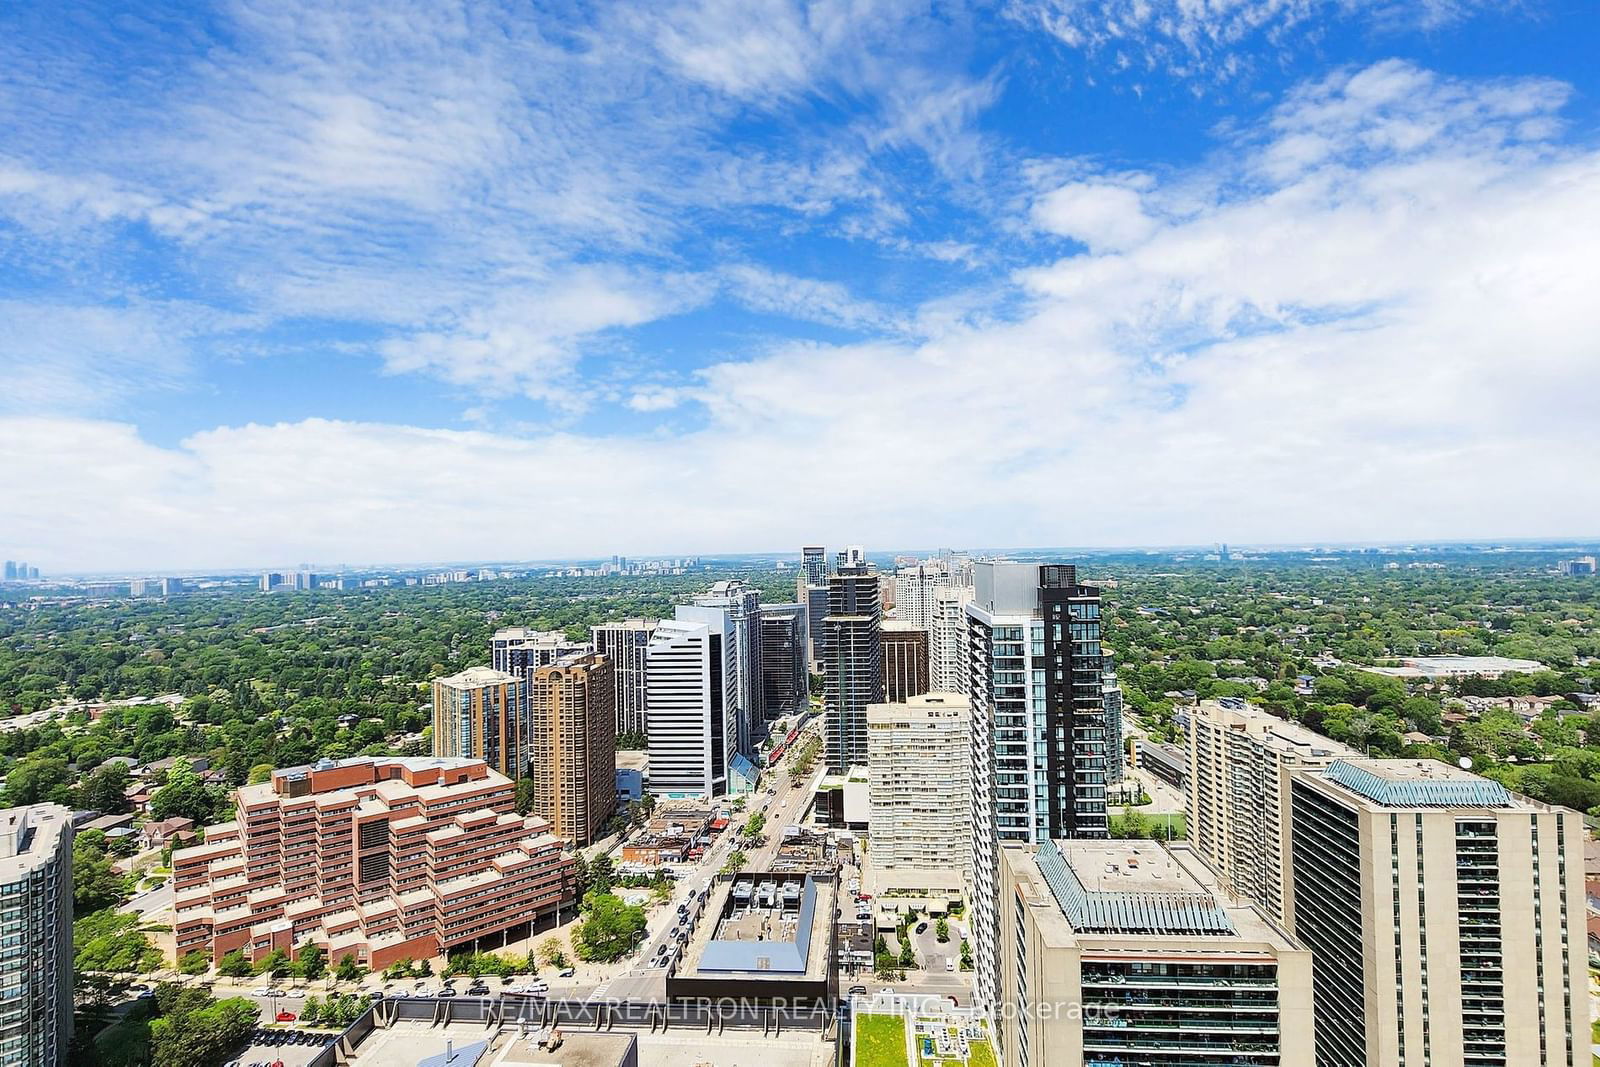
[(482, 713), (742, 604), (785, 680), (1129, 952), (520, 651), (762, 938), (625, 644), (1446, 916), (905, 661), (919, 784), (852, 675), (1240, 759), (572, 747), (690, 722), (1038, 725), (36, 949), (380, 857)]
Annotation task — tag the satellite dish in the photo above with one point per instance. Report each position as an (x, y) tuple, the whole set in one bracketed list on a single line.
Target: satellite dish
[(1465, 763)]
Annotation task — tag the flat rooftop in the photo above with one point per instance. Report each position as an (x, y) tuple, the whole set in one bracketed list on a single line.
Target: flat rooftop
[(409, 1043), (1279, 734), (30, 838), (744, 932), (1137, 894)]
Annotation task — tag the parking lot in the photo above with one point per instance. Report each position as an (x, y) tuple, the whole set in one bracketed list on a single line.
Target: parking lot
[(285, 1045)]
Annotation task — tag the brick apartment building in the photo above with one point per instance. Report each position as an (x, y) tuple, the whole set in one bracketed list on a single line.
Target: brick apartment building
[(381, 857)]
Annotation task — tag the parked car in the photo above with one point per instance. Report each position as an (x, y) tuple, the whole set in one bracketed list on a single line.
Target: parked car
[(297, 994), (376, 994), (922, 928), (949, 965), (858, 991), (286, 1016), (569, 972)]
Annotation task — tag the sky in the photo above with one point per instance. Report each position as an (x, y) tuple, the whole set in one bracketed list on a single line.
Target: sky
[(393, 281)]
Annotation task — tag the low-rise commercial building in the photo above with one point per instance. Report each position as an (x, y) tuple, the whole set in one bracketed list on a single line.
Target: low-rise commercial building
[(381, 858), (763, 937), (1129, 952)]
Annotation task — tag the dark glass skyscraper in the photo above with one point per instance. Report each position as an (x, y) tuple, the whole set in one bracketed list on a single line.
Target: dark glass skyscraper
[(852, 659)]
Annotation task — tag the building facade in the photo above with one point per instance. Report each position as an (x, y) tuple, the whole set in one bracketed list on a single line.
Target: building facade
[(852, 675), (482, 713), (520, 651), (1446, 916), (1112, 697), (625, 644), (814, 565), (690, 722), (572, 750), (1129, 953), (948, 659), (382, 858), (1038, 725), (36, 949), (785, 679), (905, 661), (1240, 759), (742, 605), (919, 783)]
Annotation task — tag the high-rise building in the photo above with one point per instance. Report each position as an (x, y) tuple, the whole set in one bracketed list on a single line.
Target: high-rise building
[(916, 592), (742, 604), (11, 570), (1580, 567), (1112, 697), (1240, 761), (905, 661), (36, 950), (949, 668), (852, 674), (690, 721), (786, 682), (624, 644), (482, 713), (33, 573), (1038, 725), (814, 565), (381, 857), (1129, 952), (919, 784), (1446, 915), (520, 651), (815, 598), (572, 749)]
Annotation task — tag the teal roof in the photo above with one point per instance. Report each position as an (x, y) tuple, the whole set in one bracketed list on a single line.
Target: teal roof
[(1445, 792), (1128, 911)]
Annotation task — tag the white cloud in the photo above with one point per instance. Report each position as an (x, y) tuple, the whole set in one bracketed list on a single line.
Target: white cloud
[(1106, 217), (1368, 318)]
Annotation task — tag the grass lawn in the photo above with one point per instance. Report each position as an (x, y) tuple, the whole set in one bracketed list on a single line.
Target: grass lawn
[(980, 1054), (880, 1041)]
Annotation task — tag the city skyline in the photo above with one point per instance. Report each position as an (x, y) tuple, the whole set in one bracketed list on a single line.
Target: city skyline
[(1268, 271)]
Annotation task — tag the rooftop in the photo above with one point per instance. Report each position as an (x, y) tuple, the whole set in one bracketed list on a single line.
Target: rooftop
[(1403, 783), (30, 838), (475, 677), (764, 925)]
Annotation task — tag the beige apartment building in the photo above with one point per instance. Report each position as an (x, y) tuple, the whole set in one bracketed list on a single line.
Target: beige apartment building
[(1240, 760), (919, 789), (572, 745), (482, 713), (1445, 914), (1130, 952)]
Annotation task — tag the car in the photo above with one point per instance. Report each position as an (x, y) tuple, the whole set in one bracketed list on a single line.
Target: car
[(949, 965), (569, 972), (272, 991), (286, 1016), (297, 994), (376, 994), (858, 991), (477, 989), (922, 928), (147, 994)]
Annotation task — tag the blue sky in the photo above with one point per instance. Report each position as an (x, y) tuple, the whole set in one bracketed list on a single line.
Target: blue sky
[(392, 281)]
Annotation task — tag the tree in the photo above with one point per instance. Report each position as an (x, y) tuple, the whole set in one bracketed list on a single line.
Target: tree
[(735, 863), (551, 954), (103, 790), (111, 941), (601, 875), (524, 802), (234, 965), (194, 1030), (184, 796), (941, 930), (609, 929), (349, 970), (36, 781), (754, 825), (259, 774), (272, 963), (194, 961), (908, 957), (311, 962), (94, 884)]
